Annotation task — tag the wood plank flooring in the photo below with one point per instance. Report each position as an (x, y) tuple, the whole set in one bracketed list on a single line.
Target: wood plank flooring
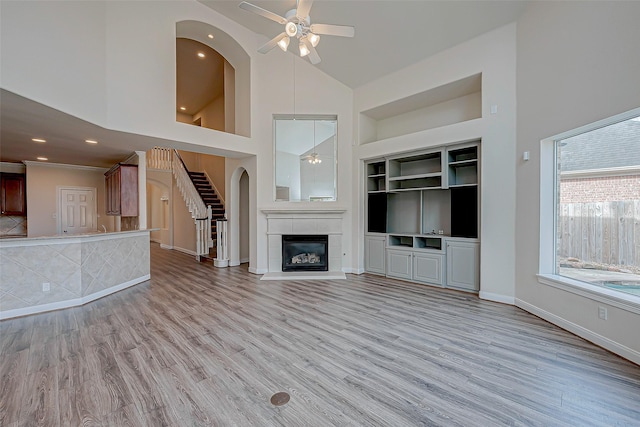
[(199, 346)]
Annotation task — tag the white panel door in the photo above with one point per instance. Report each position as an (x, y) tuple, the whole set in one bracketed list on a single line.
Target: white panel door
[(77, 210)]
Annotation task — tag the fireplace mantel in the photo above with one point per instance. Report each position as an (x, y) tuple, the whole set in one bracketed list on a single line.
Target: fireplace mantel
[(303, 220)]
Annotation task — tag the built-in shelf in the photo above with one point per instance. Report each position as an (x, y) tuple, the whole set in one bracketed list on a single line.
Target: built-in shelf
[(462, 164), (454, 102), (376, 177), (433, 191), (401, 241), (422, 242)]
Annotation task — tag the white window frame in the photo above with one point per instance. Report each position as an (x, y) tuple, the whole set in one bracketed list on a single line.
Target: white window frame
[(548, 223)]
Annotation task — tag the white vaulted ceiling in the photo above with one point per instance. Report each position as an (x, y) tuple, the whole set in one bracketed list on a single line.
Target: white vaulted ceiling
[(390, 35)]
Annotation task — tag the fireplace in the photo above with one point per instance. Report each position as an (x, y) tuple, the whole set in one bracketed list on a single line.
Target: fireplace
[(305, 252)]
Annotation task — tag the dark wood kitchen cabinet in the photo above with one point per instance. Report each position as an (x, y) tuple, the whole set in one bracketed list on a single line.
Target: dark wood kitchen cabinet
[(13, 197), (121, 189)]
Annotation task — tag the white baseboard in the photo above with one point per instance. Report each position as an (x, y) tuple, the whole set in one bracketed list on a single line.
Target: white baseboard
[(604, 342), (234, 263), (163, 246), (504, 299), (59, 305), (353, 270), (254, 270), (244, 260)]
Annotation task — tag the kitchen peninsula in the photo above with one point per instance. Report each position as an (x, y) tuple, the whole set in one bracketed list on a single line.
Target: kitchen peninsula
[(49, 273)]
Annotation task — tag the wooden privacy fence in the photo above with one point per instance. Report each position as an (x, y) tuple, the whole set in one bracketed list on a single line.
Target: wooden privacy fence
[(602, 232)]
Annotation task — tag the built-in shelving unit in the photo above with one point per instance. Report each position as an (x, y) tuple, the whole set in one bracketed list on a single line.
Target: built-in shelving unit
[(422, 216), (422, 206)]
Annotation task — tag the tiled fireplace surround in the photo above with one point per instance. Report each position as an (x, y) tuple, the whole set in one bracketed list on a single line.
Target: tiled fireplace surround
[(303, 221)]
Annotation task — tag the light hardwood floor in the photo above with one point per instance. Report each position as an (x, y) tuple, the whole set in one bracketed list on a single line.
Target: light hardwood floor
[(203, 346)]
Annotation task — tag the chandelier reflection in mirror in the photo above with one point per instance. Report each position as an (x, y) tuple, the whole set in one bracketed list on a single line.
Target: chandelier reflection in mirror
[(305, 158)]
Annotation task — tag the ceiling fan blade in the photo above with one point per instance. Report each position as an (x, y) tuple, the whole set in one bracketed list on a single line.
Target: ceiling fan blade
[(313, 53), (262, 12), (333, 30), (304, 6), (271, 43)]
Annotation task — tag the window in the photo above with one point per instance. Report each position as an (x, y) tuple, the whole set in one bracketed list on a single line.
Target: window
[(305, 158), (595, 193)]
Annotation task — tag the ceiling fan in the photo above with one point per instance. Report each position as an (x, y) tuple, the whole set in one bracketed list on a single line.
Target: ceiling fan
[(297, 23)]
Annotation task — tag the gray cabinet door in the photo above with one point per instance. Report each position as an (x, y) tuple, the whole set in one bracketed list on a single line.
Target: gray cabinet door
[(463, 265), (428, 268), (399, 264), (374, 251)]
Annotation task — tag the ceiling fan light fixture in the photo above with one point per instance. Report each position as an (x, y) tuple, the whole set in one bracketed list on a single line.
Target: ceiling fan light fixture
[(291, 29), (314, 39), (304, 50), (283, 43)]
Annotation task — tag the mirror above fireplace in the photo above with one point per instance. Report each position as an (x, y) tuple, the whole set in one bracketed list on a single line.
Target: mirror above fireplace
[(305, 158)]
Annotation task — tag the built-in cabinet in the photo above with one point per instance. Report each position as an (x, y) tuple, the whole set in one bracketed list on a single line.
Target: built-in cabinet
[(374, 254), (13, 200), (424, 207), (121, 185), (463, 264)]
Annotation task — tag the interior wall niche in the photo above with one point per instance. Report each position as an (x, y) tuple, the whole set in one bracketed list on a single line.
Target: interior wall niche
[(200, 85), (212, 79), (451, 103)]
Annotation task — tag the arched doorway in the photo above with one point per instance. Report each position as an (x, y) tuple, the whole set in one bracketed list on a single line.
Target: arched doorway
[(243, 213)]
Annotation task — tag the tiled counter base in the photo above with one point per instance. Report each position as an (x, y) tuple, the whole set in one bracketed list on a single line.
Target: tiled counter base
[(43, 274)]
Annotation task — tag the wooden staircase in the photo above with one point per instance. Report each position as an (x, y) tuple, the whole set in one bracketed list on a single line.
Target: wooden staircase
[(210, 198)]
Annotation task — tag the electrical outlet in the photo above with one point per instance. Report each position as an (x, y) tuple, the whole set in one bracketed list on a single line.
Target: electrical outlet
[(602, 313), (46, 287)]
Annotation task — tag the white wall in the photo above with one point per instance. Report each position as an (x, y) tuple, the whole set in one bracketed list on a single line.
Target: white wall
[(577, 63), (494, 55), (54, 53)]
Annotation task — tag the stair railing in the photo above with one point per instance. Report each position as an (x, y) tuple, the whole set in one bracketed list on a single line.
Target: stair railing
[(159, 158), (199, 211)]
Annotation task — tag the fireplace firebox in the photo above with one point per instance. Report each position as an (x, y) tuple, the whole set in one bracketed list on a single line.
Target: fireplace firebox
[(305, 252)]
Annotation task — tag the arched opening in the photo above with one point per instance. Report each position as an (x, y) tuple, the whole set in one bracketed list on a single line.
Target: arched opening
[(212, 79), (159, 212), (201, 73), (241, 208), (243, 214)]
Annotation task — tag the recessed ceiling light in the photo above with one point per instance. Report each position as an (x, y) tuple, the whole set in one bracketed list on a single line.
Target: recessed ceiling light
[(90, 141), (38, 140), (201, 55), (183, 108), (42, 158), (210, 36)]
